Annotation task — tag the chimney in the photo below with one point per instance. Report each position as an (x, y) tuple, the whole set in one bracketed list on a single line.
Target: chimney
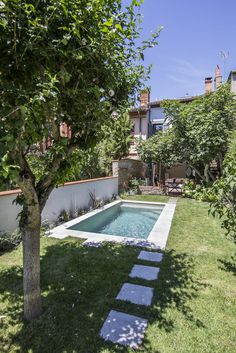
[(218, 77), (208, 85), (144, 98)]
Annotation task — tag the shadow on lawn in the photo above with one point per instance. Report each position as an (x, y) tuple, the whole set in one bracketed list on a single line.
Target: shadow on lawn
[(229, 265), (79, 286)]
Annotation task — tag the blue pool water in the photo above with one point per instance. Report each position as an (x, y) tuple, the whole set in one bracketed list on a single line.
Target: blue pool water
[(122, 220)]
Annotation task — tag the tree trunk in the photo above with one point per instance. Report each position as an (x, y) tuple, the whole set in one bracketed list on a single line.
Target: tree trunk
[(197, 171), (153, 173), (31, 271), (159, 172), (206, 173)]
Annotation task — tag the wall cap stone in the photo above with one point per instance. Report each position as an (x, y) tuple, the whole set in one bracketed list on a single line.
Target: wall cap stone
[(17, 191)]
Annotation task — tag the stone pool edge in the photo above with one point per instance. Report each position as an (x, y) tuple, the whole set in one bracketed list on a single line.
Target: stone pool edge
[(157, 238)]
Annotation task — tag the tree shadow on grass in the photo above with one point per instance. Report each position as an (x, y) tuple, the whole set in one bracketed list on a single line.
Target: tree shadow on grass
[(79, 286), (228, 265)]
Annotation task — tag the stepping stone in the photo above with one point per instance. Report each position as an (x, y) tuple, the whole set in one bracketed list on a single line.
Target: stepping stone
[(136, 294), (145, 272), (127, 330), (150, 256)]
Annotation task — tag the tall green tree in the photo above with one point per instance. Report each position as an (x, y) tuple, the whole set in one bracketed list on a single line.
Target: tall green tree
[(201, 129), (114, 143), (72, 61)]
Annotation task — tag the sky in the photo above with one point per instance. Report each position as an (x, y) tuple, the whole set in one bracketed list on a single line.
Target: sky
[(195, 33)]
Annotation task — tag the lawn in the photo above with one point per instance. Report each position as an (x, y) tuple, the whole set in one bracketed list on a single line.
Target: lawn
[(194, 307)]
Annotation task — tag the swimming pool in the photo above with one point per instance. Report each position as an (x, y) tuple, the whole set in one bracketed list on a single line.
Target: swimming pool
[(123, 219), (132, 229)]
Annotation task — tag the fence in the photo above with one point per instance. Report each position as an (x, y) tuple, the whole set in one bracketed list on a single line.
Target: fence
[(70, 197)]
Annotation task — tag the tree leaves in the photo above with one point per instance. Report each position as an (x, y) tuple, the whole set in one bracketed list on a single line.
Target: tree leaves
[(56, 58)]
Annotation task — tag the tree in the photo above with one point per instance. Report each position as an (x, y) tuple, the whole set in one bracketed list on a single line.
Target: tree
[(62, 61), (114, 143), (159, 149), (224, 191), (202, 128)]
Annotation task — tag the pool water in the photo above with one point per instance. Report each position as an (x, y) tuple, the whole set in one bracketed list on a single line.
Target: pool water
[(122, 220)]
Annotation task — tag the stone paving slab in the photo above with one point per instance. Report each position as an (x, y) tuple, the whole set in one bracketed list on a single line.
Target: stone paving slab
[(148, 273), (136, 294), (127, 330), (150, 256)]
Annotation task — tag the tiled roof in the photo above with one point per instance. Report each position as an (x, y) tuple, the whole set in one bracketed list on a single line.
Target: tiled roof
[(157, 103), (181, 99)]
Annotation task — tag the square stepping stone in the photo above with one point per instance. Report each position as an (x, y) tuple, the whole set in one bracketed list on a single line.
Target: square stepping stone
[(127, 330), (136, 294), (150, 256), (145, 272)]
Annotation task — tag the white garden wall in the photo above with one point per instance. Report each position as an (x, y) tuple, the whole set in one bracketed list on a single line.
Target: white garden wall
[(71, 196)]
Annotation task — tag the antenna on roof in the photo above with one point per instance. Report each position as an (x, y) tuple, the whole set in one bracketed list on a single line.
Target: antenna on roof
[(224, 56)]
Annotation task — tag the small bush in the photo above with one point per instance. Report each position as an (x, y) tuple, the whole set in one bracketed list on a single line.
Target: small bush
[(199, 192), (134, 185), (9, 241)]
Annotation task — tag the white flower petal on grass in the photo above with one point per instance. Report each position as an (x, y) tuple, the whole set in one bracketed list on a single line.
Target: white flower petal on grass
[(111, 93)]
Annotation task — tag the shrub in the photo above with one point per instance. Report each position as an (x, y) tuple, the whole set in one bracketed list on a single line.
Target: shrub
[(9, 241), (134, 185), (199, 192), (224, 204)]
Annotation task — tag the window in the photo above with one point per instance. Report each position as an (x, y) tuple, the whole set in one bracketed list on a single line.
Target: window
[(157, 128)]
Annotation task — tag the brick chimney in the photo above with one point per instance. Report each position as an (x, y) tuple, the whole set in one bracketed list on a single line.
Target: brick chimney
[(144, 98), (218, 77), (208, 85)]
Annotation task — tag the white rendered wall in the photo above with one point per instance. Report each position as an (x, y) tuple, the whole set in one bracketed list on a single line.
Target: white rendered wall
[(8, 213), (70, 197)]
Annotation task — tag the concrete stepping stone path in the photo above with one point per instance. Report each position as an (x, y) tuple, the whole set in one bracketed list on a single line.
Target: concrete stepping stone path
[(148, 273), (150, 256), (136, 294), (127, 330)]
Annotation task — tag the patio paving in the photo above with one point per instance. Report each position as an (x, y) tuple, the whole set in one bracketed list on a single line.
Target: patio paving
[(127, 330), (150, 256), (148, 273), (136, 294)]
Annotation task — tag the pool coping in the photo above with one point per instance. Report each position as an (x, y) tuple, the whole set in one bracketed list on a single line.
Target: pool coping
[(157, 238)]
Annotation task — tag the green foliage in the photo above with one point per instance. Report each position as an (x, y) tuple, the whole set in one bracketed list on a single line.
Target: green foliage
[(202, 128), (199, 192), (9, 241), (134, 184), (114, 142), (225, 191), (159, 148)]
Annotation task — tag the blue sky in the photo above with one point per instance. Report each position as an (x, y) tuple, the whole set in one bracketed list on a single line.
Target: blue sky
[(194, 34)]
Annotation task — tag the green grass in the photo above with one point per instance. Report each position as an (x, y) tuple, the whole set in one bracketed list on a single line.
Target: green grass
[(150, 198), (194, 307)]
